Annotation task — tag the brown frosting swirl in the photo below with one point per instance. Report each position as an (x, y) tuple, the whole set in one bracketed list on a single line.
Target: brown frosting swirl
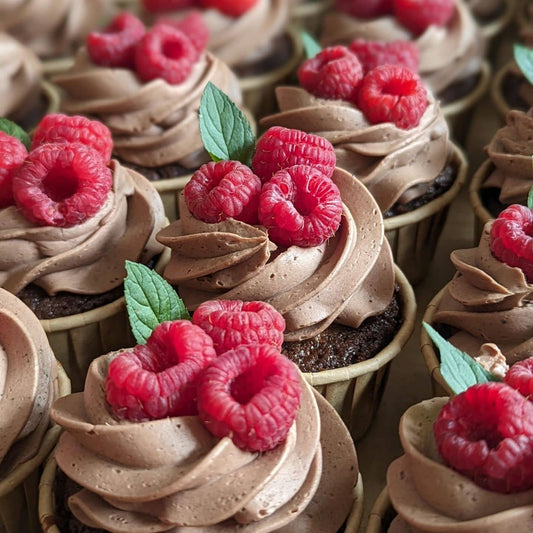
[(395, 164), (510, 151), (488, 301), (429, 496), (346, 279), (28, 383), (152, 123), (52, 27), (447, 54), (191, 481), (87, 258)]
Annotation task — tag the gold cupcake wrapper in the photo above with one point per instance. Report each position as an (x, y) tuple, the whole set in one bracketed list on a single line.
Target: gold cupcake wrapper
[(482, 214), (496, 89), (496, 26), (309, 15), (381, 514)]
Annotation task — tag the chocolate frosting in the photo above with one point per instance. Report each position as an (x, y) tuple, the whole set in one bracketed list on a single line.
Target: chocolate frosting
[(396, 165), (430, 496), (52, 27), (87, 258), (346, 279), (488, 301), (510, 151), (28, 383), (154, 123), (447, 54), (173, 475)]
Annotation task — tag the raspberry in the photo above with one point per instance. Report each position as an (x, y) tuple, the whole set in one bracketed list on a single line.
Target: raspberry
[(58, 128), (334, 73), (511, 238), (486, 434), (520, 377), (61, 184), (221, 190), (165, 52), (231, 323), (194, 27), (372, 54), (12, 155), (300, 206), (364, 8), (115, 45), (233, 8), (417, 15), (251, 394), (159, 379), (156, 6), (393, 94), (281, 148)]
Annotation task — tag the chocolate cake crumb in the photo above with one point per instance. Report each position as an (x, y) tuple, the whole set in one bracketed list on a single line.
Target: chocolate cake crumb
[(459, 89)]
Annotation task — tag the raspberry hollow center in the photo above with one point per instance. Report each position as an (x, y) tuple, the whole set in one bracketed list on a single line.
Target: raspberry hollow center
[(305, 203), (173, 49), (400, 87), (60, 184), (246, 385)]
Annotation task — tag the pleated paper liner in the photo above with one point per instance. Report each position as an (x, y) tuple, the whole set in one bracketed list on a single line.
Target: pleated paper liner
[(381, 514), (355, 391), (521, 16), (308, 15), (482, 214), (18, 491), (491, 30), (414, 236), (77, 339), (496, 89)]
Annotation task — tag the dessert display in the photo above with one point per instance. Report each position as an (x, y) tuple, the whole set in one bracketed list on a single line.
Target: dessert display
[(70, 217), (30, 380)]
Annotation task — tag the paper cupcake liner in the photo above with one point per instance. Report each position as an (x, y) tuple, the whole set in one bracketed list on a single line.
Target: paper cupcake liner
[(482, 214), (381, 514), (496, 26), (258, 91), (18, 491), (77, 339), (309, 15), (355, 391), (521, 16), (414, 236), (496, 89)]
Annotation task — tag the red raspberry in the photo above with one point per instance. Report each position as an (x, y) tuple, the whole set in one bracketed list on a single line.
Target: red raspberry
[(156, 6), (231, 323), (61, 184), (58, 128), (417, 15), (486, 434), (520, 377), (12, 155), (372, 54), (334, 73), (233, 8), (251, 394), (115, 45), (364, 8), (300, 206), (281, 148), (165, 52), (194, 27), (393, 94), (221, 190), (511, 238), (159, 379)]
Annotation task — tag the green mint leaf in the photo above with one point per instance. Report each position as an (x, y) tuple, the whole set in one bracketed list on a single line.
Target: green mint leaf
[(524, 59), (458, 369), (15, 131), (530, 198), (311, 47), (225, 131), (150, 300)]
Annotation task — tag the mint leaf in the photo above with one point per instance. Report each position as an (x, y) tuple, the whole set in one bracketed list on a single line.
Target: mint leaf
[(530, 198), (311, 47), (150, 300), (524, 59), (458, 369), (225, 131), (15, 131)]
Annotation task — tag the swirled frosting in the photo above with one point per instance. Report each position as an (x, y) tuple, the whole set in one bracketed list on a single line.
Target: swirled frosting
[(488, 301), (52, 27), (173, 475), (510, 151), (447, 54), (152, 123), (396, 165), (346, 279), (20, 76), (87, 258), (28, 383), (429, 496)]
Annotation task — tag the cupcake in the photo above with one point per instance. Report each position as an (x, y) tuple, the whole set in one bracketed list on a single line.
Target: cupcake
[(70, 219), (31, 379), (493, 16), (152, 115), (308, 14)]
